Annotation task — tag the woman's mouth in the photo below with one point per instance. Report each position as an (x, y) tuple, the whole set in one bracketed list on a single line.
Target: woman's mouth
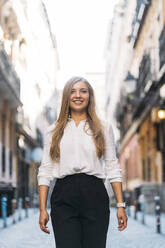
[(78, 102)]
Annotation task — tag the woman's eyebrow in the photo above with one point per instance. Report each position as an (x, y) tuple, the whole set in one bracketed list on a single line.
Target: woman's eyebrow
[(81, 89)]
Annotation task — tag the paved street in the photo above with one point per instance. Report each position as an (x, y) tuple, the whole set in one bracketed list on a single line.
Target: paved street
[(26, 234), (150, 220)]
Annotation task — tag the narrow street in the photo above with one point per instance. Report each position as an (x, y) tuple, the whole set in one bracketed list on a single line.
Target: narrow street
[(27, 234), (66, 69)]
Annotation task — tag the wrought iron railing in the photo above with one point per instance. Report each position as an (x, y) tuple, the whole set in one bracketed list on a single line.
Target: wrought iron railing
[(140, 13), (162, 48)]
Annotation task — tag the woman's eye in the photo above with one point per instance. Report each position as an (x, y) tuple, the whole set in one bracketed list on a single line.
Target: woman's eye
[(83, 91)]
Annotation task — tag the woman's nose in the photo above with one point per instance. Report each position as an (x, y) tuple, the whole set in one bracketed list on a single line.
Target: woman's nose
[(77, 94)]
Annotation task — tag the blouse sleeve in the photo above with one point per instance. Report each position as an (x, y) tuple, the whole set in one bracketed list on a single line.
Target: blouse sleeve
[(112, 167), (45, 171)]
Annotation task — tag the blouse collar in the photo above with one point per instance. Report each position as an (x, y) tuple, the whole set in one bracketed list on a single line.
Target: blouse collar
[(70, 119)]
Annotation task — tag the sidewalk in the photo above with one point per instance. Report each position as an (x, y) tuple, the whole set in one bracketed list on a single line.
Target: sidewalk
[(150, 220), (31, 211)]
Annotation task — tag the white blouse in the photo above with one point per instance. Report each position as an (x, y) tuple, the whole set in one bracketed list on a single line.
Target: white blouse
[(78, 155)]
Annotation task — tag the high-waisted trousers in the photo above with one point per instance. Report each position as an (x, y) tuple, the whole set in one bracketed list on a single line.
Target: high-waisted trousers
[(80, 212)]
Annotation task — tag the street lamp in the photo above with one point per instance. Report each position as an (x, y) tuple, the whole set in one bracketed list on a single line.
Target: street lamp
[(161, 114), (162, 91), (130, 83), (161, 111), (21, 142)]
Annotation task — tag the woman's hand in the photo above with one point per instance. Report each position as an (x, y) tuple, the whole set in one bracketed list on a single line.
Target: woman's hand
[(122, 218), (43, 219)]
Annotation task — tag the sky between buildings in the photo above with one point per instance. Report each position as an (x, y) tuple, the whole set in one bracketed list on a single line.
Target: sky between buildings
[(80, 28)]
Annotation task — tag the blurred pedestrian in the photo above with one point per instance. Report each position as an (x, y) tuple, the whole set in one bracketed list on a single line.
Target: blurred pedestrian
[(74, 148)]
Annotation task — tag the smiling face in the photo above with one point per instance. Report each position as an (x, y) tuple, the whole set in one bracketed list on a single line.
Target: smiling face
[(79, 97)]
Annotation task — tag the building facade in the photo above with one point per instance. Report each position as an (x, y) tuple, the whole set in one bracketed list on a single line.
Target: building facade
[(140, 108), (9, 102), (28, 95)]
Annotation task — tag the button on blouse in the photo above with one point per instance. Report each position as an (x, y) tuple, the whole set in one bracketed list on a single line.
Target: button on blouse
[(78, 155)]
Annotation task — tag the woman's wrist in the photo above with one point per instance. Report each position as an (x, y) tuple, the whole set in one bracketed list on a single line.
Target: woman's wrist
[(121, 204), (42, 209)]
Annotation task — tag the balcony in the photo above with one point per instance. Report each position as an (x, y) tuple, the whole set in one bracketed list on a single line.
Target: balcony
[(9, 82), (144, 75), (141, 11), (143, 95)]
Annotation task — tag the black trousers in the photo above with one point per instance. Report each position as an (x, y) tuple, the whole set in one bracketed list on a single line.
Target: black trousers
[(80, 212)]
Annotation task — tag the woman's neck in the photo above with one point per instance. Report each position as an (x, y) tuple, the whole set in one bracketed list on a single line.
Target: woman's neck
[(78, 116)]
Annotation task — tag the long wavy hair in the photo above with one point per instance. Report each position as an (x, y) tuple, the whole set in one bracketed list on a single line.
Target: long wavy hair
[(94, 122)]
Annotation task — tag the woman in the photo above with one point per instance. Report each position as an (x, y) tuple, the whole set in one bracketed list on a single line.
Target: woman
[(74, 149)]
